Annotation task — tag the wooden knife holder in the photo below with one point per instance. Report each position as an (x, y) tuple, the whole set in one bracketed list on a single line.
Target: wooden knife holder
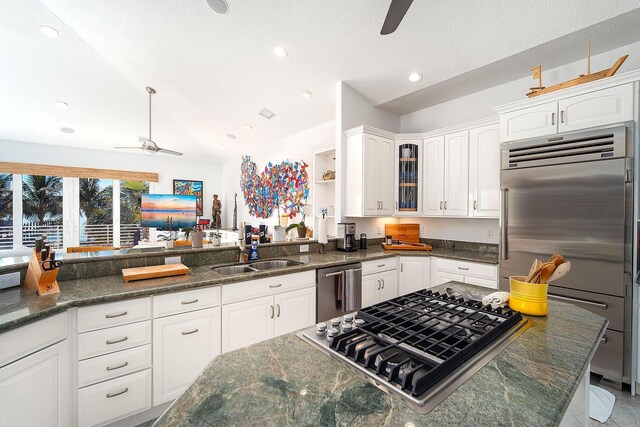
[(42, 281)]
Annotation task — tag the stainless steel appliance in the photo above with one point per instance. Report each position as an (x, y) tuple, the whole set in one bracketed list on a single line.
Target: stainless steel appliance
[(346, 239), (420, 346), (573, 194), (338, 291)]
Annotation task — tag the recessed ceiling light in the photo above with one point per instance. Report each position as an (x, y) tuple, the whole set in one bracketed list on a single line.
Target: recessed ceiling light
[(307, 93), (62, 105), (248, 127), (231, 136), (218, 6), (67, 130), (280, 52), (267, 114), (220, 144), (415, 77), (49, 31)]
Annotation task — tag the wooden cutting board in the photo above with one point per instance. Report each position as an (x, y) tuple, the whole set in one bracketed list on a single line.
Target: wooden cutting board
[(153, 272), (404, 232)]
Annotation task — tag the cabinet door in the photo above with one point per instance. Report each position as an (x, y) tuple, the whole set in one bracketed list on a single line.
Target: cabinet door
[(414, 274), (529, 122), (484, 171), (371, 285), (444, 277), (408, 155), (247, 322), (602, 107), (433, 173), (456, 174), (371, 174), (34, 390), (385, 173), (294, 310), (389, 288), (183, 345)]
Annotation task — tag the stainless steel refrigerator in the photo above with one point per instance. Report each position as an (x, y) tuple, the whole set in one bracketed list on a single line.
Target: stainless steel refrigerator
[(573, 194)]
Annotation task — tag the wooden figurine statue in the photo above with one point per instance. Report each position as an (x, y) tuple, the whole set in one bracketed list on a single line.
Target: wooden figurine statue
[(235, 212), (216, 211)]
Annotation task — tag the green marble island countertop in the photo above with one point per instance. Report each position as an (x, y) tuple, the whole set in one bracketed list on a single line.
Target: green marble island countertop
[(286, 381)]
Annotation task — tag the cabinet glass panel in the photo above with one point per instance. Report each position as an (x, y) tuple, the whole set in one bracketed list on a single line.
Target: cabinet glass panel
[(408, 156)]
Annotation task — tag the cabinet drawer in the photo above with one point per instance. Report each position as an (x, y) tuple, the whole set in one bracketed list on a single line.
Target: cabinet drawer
[(606, 306), (28, 339), (493, 284), (182, 302), (484, 271), (113, 365), (608, 359), (113, 314), (112, 400), (95, 343), (269, 286), (385, 264)]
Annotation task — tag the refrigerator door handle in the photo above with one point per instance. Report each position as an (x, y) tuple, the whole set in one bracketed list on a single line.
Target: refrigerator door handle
[(504, 215)]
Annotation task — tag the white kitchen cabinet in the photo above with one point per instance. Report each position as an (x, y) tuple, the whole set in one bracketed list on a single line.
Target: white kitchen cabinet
[(475, 273), (602, 107), (433, 172), (369, 179), (414, 274), (408, 177), (379, 281), (370, 290), (389, 287), (34, 390), (529, 122), (484, 171), (294, 310), (183, 345), (441, 277)]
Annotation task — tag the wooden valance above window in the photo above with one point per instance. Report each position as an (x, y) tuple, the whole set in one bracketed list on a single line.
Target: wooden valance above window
[(74, 172)]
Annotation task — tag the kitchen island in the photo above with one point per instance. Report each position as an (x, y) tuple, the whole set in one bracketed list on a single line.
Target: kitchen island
[(285, 381)]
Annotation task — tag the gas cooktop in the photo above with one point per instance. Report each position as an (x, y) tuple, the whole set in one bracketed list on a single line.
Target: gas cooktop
[(421, 346)]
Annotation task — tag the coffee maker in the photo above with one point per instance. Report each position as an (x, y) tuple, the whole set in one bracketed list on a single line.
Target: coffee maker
[(346, 236)]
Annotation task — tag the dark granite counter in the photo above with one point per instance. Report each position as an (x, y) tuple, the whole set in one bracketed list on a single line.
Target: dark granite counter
[(285, 381), (19, 306)]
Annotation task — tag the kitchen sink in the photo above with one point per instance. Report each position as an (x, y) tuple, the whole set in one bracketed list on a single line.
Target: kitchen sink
[(234, 269), (273, 263)]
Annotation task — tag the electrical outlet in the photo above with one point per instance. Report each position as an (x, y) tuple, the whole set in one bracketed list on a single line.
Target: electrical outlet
[(490, 233), (421, 231), (379, 231), (172, 260), (304, 248), (10, 279)]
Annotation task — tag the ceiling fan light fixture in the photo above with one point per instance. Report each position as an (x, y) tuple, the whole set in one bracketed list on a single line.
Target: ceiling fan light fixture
[(415, 77)]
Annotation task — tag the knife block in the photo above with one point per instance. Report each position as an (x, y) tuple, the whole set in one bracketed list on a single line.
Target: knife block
[(39, 280)]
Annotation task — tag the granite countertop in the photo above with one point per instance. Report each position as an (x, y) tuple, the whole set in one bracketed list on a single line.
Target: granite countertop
[(19, 306), (285, 381)]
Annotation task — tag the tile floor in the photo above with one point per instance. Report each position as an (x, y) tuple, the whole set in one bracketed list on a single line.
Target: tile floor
[(626, 412)]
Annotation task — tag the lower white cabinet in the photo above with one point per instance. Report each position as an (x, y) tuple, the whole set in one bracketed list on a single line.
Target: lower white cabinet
[(258, 319), (183, 345), (34, 390), (475, 273), (378, 287), (414, 274)]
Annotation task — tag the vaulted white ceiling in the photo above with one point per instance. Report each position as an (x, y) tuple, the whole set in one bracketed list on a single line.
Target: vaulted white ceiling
[(213, 73)]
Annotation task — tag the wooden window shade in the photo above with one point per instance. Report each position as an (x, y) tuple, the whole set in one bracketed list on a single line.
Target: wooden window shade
[(75, 172)]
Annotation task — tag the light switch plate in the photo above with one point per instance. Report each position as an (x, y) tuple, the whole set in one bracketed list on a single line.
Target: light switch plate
[(172, 260), (304, 248), (10, 279)]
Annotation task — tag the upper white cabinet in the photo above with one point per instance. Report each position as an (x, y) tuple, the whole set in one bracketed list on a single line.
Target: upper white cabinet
[(408, 156), (446, 169), (369, 177), (484, 171), (597, 108)]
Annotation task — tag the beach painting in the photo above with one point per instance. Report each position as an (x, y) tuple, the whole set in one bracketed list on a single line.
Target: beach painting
[(187, 187), (158, 208)]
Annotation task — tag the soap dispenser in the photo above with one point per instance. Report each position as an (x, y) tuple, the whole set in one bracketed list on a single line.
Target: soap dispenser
[(253, 255)]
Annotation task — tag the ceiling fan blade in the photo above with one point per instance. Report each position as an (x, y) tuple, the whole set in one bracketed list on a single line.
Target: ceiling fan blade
[(164, 150), (397, 10), (128, 148)]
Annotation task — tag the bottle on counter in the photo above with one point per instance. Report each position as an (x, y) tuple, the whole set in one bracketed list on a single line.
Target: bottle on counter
[(253, 255)]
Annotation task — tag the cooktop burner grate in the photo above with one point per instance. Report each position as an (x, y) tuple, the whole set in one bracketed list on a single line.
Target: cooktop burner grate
[(417, 339)]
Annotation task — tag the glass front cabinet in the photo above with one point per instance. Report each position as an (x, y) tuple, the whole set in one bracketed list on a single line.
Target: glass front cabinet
[(408, 177)]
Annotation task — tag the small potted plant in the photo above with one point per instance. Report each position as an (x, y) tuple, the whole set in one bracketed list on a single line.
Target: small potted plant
[(302, 228)]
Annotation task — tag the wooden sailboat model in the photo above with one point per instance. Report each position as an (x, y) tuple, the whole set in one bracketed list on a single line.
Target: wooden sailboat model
[(583, 78)]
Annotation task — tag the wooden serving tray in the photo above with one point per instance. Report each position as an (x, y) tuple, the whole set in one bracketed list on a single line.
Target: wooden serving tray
[(407, 247), (153, 272)]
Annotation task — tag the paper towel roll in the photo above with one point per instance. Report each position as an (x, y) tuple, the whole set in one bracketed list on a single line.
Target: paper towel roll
[(322, 230)]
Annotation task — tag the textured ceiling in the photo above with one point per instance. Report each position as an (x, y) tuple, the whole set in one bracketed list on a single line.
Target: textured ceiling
[(215, 72)]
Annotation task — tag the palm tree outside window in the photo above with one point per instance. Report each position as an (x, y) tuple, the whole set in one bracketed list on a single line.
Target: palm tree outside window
[(6, 211), (96, 212), (42, 209)]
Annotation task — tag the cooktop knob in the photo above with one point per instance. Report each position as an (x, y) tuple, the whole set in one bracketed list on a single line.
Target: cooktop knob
[(348, 318), (332, 332), (335, 322), (346, 327), (321, 328), (359, 322)]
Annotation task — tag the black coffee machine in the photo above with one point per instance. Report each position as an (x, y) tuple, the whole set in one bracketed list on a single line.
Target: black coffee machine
[(347, 237)]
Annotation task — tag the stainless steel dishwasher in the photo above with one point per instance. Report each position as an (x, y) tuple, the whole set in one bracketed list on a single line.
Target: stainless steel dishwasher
[(338, 291)]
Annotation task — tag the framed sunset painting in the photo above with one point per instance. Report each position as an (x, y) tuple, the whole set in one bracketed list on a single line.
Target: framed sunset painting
[(185, 187)]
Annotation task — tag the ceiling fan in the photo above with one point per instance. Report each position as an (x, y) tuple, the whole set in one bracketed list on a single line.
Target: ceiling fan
[(397, 10), (147, 143)]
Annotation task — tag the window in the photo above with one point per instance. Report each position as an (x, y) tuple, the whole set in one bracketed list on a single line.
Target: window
[(130, 198), (6, 211), (42, 209), (96, 212)]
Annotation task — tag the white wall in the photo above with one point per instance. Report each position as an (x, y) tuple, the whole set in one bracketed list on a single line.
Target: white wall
[(167, 167), (294, 148)]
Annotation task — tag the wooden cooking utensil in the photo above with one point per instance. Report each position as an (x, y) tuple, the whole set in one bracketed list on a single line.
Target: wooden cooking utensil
[(546, 271), (561, 270), (535, 268), (557, 259)]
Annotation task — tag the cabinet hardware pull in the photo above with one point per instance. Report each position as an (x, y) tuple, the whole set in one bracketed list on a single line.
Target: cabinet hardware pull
[(604, 340), (190, 332), (561, 116), (401, 267), (440, 204), (474, 205), (504, 218), (381, 265), (382, 283), (109, 395), (193, 301), (275, 286), (110, 368), (378, 284), (117, 341), (111, 316), (553, 119), (271, 307), (580, 301), (463, 268), (277, 310), (445, 205), (381, 205)]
